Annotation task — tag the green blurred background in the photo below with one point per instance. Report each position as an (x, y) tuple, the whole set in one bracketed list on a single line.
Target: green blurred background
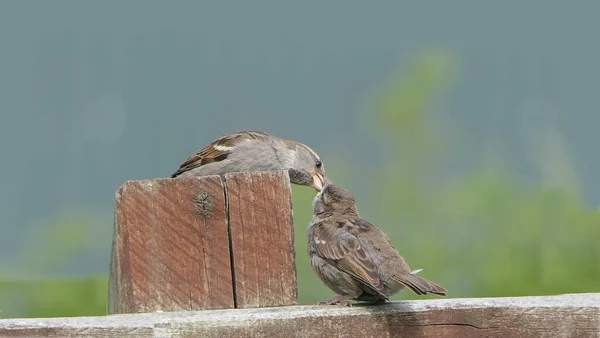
[(467, 132)]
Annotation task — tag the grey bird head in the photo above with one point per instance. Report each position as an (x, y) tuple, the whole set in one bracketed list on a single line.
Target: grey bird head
[(305, 166)]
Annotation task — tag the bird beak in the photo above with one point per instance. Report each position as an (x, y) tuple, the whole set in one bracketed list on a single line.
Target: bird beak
[(318, 182)]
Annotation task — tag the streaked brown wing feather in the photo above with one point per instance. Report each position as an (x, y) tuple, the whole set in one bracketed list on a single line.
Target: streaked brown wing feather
[(209, 154), (344, 250)]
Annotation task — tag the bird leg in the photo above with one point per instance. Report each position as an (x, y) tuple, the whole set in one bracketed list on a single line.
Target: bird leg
[(337, 300)]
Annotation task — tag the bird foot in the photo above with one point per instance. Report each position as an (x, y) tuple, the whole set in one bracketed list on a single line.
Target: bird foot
[(339, 300), (380, 301)]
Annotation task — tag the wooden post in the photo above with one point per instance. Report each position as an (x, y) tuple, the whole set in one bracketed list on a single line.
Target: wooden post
[(174, 244)]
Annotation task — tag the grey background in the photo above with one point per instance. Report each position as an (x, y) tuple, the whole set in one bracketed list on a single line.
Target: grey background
[(96, 93)]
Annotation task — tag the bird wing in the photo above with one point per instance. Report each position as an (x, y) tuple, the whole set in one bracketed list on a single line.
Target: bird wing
[(217, 150), (343, 250), (393, 261), (389, 254)]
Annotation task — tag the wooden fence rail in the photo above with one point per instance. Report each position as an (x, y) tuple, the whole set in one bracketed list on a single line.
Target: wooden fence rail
[(572, 315)]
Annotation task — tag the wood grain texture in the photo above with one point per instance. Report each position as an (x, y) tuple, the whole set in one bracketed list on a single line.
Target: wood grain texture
[(262, 239), (575, 315), (170, 247)]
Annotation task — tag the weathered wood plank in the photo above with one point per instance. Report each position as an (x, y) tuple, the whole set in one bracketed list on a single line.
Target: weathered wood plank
[(574, 315), (170, 247), (262, 239)]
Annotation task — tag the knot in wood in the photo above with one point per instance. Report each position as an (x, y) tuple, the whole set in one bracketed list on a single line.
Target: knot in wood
[(204, 203)]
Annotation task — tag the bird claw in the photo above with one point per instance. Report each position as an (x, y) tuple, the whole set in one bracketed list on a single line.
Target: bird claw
[(336, 301)]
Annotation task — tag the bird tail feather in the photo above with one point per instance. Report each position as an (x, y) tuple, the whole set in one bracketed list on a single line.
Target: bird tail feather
[(421, 286)]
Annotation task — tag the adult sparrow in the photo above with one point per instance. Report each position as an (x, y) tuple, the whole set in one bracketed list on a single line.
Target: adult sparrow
[(354, 258), (247, 151)]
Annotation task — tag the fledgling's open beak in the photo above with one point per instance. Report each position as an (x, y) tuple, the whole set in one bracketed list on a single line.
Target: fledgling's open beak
[(318, 182)]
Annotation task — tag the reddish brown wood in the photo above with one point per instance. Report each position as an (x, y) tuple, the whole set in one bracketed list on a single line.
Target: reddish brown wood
[(262, 239), (174, 244), (170, 247)]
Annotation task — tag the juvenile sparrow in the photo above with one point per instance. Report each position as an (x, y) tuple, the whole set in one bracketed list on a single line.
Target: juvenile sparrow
[(354, 258), (247, 151)]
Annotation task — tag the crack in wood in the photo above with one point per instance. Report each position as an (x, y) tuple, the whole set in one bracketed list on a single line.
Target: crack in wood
[(231, 259), (455, 324)]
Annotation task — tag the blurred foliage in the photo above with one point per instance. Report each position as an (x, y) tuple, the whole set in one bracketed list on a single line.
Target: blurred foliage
[(478, 233), (57, 247), (64, 297), (63, 241)]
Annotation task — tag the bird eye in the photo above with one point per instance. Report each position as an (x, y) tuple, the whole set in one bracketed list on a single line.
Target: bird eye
[(319, 164)]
